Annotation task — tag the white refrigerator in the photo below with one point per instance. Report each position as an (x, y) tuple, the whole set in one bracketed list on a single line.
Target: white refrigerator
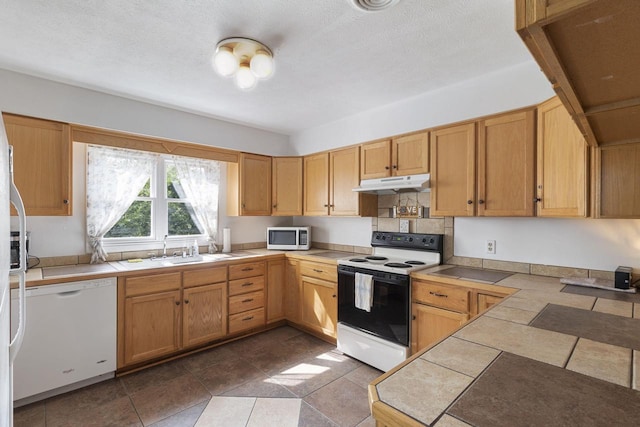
[(9, 345)]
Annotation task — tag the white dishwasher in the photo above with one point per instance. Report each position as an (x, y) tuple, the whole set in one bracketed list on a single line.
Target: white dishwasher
[(70, 337)]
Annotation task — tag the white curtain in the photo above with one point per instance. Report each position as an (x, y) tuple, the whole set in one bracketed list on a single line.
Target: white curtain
[(115, 177), (200, 180)]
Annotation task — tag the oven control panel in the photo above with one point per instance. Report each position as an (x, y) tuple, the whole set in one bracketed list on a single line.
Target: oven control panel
[(431, 242)]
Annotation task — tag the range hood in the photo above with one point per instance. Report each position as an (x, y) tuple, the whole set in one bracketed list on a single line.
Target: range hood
[(395, 184)]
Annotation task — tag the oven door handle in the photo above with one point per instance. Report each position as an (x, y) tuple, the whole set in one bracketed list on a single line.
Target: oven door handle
[(401, 280)]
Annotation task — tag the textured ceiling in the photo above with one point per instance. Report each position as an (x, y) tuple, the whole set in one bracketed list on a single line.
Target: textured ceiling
[(332, 60)]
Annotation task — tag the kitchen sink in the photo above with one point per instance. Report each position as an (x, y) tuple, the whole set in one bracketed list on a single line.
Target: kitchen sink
[(178, 260)]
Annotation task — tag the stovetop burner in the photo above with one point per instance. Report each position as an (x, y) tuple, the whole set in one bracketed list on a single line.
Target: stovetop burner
[(412, 262), (397, 265), (376, 258), (358, 260)]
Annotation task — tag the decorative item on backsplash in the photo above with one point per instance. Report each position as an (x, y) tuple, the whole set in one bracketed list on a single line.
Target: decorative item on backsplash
[(408, 207)]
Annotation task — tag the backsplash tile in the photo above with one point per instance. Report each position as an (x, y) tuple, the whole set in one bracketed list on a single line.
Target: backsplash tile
[(515, 267)]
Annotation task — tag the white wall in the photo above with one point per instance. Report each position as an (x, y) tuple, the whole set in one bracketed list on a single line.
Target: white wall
[(507, 89), (341, 231), (32, 96), (600, 244)]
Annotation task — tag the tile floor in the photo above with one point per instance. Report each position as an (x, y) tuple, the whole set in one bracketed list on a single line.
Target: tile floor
[(280, 377)]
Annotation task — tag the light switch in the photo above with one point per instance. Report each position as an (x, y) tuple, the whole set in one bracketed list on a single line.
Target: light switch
[(404, 225)]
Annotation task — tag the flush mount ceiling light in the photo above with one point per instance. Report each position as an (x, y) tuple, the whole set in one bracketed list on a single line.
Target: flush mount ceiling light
[(373, 5), (244, 59)]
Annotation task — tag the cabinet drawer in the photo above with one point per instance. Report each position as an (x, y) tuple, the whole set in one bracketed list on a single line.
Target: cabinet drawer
[(205, 276), (320, 271), (249, 284), (247, 320), (248, 269), (245, 302), (152, 284), (439, 295)]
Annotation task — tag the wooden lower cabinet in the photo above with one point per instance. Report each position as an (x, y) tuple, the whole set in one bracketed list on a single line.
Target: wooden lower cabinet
[(320, 305), (292, 292), (204, 316), (430, 324), (485, 301), (246, 296), (275, 290), (152, 326)]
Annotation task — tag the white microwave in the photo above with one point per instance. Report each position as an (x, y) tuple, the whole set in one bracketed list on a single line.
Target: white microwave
[(289, 238)]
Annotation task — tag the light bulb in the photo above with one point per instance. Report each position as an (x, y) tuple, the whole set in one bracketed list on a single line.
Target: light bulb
[(262, 64), (245, 79), (225, 62)]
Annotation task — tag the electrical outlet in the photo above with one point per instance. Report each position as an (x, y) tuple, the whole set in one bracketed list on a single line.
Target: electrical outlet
[(491, 246), (404, 225)]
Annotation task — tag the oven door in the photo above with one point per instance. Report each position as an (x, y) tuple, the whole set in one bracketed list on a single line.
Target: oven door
[(389, 315)]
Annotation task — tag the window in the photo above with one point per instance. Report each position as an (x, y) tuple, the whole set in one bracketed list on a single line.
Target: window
[(169, 210), (136, 198)]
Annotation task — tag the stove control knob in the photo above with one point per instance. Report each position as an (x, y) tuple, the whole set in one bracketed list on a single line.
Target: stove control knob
[(411, 239), (432, 240), (377, 237), (424, 240)]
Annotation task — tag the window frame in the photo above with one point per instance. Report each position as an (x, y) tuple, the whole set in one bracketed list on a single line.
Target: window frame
[(159, 220)]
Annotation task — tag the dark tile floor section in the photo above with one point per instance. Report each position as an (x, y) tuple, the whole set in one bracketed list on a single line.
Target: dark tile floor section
[(515, 388), (281, 363), (596, 326), (602, 293)]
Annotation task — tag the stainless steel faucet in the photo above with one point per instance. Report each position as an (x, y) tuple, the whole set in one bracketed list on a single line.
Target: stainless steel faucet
[(164, 247)]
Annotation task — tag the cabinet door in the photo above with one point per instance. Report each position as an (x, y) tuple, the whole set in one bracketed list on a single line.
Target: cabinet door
[(453, 170), (275, 290), (430, 324), (562, 181), (344, 176), (320, 305), (42, 164), (249, 186), (204, 316), (316, 184), (485, 301), (618, 181), (410, 154), (375, 159), (292, 295), (152, 326), (286, 194), (506, 157)]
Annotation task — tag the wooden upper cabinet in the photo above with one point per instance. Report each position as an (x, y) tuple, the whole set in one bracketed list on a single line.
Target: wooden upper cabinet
[(403, 155), (375, 159), (316, 184), (410, 154), (344, 174), (453, 170), (618, 181), (329, 179), (42, 164), (589, 51), (562, 176), (506, 159), (249, 186), (286, 194)]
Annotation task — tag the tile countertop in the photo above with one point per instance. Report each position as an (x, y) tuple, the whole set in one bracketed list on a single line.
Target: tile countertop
[(543, 356), (59, 274)]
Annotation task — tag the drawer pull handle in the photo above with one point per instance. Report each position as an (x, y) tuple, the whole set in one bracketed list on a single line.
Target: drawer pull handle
[(177, 302), (318, 271), (436, 294), (186, 301), (247, 318), (247, 300), (247, 284), (247, 269)]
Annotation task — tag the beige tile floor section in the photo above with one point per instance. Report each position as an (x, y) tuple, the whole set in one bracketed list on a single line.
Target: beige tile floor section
[(587, 359), (251, 412)]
